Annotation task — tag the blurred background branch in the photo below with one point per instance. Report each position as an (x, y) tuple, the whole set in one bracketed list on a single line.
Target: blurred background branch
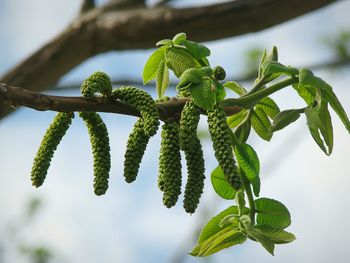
[(128, 25)]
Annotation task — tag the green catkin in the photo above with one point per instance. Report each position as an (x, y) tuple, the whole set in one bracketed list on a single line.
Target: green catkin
[(97, 82), (195, 176), (192, 147), (220, 135), (170, 163), (100, 149), (144, 103), (135, 150), (49, 143)]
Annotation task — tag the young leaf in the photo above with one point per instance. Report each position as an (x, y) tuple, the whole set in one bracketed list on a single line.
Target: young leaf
[(249, 163), (220, 91), (242, 131), (202, 94), (337, 107), (320, 123), (306, 93), (272, 55), (278, 236), (164, 42), (179, 38), (190, 76), (212, 227), (262, 61), (197, 50), (275, 69), (308, 85), (179, 60), (225, 238), (162, 79), (265, 241), (235, 87), (229, 239), (229, 220), (284, 118), (261, 124), (220, 184), (269, 106), (272, 213), (152, 64), (236, 119)]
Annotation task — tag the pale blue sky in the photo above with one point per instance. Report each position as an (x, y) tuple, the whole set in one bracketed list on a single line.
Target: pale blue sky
[(129, 223)]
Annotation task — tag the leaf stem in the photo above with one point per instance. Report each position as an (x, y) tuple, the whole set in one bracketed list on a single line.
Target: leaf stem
[(256, 86), (249, 193), (248, 101)]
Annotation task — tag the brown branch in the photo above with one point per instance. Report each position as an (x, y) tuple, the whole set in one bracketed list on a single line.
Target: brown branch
[(114, 28), (15, 96), (87, 5)]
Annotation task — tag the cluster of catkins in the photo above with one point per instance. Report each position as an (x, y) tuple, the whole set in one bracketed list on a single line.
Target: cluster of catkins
[(178, 134)]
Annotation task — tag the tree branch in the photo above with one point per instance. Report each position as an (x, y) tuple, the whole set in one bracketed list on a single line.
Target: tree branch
[(111, 28), (15, 96), (87, 5)]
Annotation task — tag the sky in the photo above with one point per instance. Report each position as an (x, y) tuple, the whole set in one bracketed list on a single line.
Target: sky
[(129, 223)]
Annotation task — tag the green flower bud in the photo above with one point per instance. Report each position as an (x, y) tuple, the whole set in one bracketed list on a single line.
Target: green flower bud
[(220, 135), (49, 143), (135, 150), (219, 73), (100, 149), (170, 164), (144, 103), (97, 82)]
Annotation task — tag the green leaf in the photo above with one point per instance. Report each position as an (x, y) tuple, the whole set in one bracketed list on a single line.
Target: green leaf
[(228, 239), (284, 118), (278, 236), (179, 60), (262, 61), (265, 241), (272, 213), (269, 106), (337, 107), (308, 84), (179, 38), (275, 68), (190, 76), (162, 79), (272, 55), (220, 184), (236, 119), (152, 64), (261, 124), (235, 87), (197, 50), (164, 42), (320, 124), (229, 220), (249, 163), (306, 93), (225, 238), (220, 91), (203, 95), (212, 227), (242, 131)]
